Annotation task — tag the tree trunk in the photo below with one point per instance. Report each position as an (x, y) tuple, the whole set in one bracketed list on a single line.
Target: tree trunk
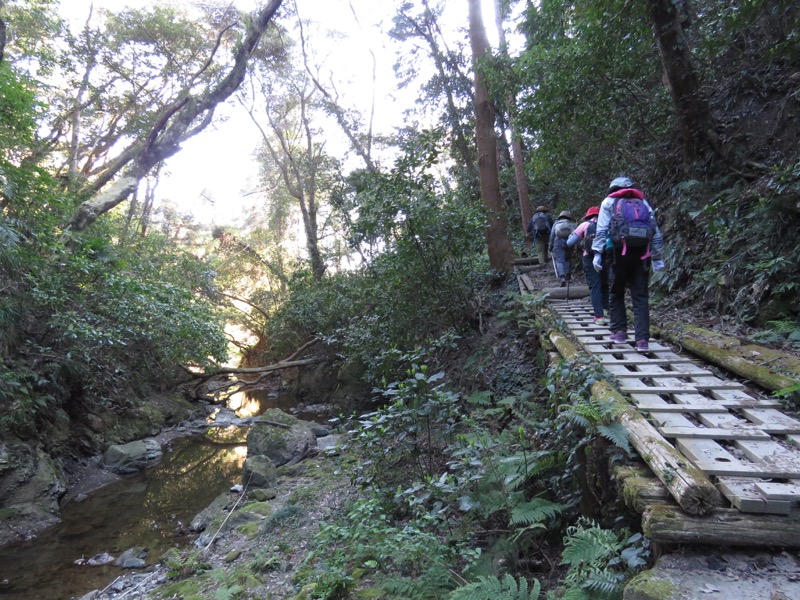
[(525, 211), (186, 117), (501, 253), (697, 126), (2, 34)]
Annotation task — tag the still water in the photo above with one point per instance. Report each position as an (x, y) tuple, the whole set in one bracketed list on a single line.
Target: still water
[(151, 509)]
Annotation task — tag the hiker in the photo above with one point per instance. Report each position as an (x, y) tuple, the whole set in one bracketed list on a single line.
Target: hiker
[(597, 282), (628, 233), (562, 254), (539, 231)]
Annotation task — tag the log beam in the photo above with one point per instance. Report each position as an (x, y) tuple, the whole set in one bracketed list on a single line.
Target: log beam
[(560, 293), (687, 484), (667, 524), (757, 363)]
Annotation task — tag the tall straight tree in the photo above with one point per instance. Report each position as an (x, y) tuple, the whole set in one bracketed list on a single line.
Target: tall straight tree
[(525, 211), (501, 252)]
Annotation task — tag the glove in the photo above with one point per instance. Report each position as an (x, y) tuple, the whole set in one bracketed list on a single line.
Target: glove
[(597, 262), (658, 265)]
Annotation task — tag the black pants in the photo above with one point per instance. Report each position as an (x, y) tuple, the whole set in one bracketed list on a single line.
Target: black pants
[(598, 286), (630, 272)]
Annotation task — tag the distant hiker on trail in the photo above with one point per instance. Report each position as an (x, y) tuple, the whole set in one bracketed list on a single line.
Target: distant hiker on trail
[(628, 233), (539, 231), (562, 254), (597, 282)]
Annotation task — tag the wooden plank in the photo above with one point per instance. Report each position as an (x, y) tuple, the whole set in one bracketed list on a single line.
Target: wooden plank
[(674, 389), (527, 281), (699, 407), (744, 496), (642, 360), (681, 408), (649, 374), (778, 491), (713, 459), (773, 419), (689, 486), (600, 349), (713, 433), (772, 455), (744, 470)]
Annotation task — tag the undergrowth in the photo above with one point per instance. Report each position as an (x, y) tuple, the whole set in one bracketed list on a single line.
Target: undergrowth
[(474, 496)]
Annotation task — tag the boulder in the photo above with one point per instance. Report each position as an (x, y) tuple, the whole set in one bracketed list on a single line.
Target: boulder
[(133, 456), (31, 484), (259, 472), (280, 437)]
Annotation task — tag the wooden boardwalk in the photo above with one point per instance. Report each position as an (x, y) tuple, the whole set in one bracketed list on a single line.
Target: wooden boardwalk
[(737, 436)]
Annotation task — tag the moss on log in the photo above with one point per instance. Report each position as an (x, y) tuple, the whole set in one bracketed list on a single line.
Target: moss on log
[(687, 484), (639, 488), (771, 369), (665, 523)]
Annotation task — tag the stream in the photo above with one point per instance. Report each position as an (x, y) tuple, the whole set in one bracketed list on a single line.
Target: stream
[(149, 509)]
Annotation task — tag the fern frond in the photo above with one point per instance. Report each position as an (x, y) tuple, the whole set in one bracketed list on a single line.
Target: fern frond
[(606, 582), (492, 588), (482, 398), (616, 434), (535, 511), (589, 545)]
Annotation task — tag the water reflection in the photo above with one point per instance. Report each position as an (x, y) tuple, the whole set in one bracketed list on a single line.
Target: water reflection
[(150, 509), (255, 401)]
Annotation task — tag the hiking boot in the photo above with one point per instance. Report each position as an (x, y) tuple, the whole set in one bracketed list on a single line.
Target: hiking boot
[(642, 346), (599, 321), (618, 337), (563, 283)]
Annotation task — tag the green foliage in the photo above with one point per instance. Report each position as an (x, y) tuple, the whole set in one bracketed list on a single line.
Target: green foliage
[(408, 432), (25, 399), (600, 561), (18, 111), (364, 539), (181, 565), (422, 247), (732, 270), (588, 81), (493, 588), (571, 381), (100, 322)]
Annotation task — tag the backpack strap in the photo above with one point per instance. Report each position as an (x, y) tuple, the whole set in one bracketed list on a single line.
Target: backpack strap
[(616, 210)]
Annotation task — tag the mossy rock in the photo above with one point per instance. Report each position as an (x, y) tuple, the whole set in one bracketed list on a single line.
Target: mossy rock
[(249, 530), (259, 508), (280, 437), (187, 589), (233, 555), (648, 586), (262, 495)]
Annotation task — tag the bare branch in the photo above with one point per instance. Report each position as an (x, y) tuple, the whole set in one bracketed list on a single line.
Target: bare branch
[(168, 138)]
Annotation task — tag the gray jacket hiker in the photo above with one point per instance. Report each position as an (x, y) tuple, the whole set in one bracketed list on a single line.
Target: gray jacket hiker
[(562, 254)]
